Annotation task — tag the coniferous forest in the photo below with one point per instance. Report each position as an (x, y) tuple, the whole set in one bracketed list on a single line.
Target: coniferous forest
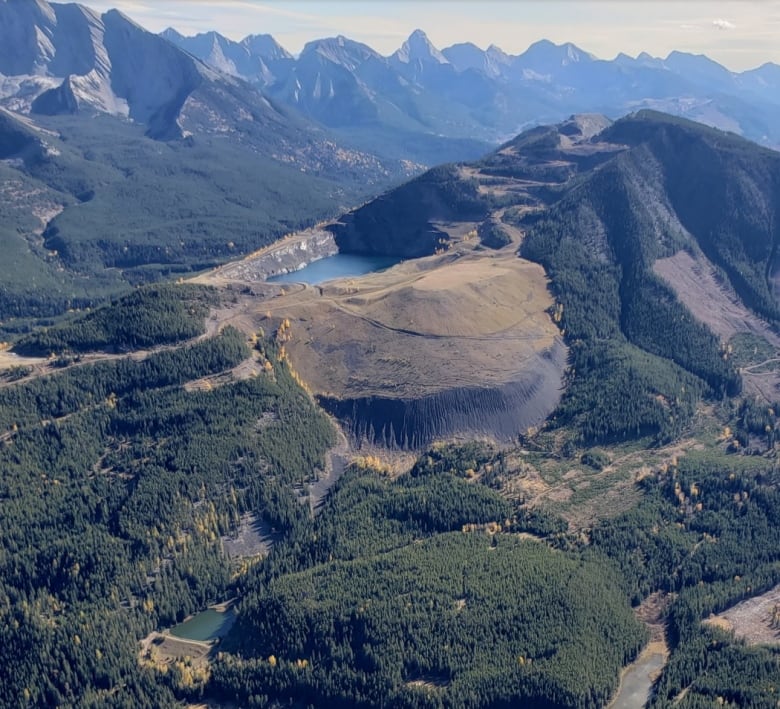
[(432, 588), (142, 444)]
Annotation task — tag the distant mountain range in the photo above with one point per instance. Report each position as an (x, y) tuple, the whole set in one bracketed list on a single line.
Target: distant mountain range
[(58, 59), (464, 91), (421, 105), (126, 156)]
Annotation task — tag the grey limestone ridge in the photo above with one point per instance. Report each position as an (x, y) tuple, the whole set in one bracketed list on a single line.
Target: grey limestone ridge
[(66, 59), (421, 104), (466, 91), (107, 62), (284, 256)]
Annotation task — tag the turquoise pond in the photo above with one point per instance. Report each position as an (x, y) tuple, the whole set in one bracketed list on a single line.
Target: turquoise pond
[(205, 626), (338, 266)]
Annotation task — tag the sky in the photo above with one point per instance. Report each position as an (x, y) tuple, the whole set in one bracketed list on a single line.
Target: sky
[(740, 35)]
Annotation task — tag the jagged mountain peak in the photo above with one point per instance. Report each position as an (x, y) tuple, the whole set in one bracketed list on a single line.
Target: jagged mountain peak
[(171, 34), (213, 48), (117, 15), (468, 55), (419, 48), (341, 50), (202, 38), (259, 59), (265, 47), (547, 54)]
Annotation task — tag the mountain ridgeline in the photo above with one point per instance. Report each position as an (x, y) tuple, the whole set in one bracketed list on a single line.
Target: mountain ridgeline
[(462, 92), (603, 207)]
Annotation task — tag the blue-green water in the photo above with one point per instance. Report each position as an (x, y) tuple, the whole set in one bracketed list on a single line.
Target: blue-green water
[(205, 626), (338, 266)]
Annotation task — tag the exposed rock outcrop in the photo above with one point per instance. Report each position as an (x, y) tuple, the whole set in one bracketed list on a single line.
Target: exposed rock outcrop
[(285, 256)]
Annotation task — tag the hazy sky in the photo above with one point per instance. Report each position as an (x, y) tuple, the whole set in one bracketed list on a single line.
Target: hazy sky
[(740, 35)]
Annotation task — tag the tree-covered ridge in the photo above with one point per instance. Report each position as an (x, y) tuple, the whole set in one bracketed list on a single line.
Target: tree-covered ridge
[(106, 208), (618, 389), (451, 621), (708, 533), (55, 397), (640, 360), (149, 316), (398, 223), (389, 606), (724, 190), (115, 486)]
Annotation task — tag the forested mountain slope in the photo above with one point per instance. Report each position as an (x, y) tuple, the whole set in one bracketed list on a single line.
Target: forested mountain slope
[(599, 205), (90, 207), (476, 576), (125, 159), (118, 480)]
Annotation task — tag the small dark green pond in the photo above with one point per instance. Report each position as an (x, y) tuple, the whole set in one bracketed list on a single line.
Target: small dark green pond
[(205, 626)]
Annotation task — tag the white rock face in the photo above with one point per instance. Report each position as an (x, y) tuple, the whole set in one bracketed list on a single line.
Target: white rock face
[(259, 59), (418, 48), (18, 92), (69, 58), (94, 90)]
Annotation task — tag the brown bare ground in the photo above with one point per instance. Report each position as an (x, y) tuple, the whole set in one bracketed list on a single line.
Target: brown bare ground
[(423, 326), (162, 649), (9, 360), (751, 619), (714, 303), (617, 490), (711, 300)]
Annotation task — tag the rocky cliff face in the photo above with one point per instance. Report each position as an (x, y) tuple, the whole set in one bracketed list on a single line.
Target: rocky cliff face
[(66, 59), (290, 254), (107, 62)]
